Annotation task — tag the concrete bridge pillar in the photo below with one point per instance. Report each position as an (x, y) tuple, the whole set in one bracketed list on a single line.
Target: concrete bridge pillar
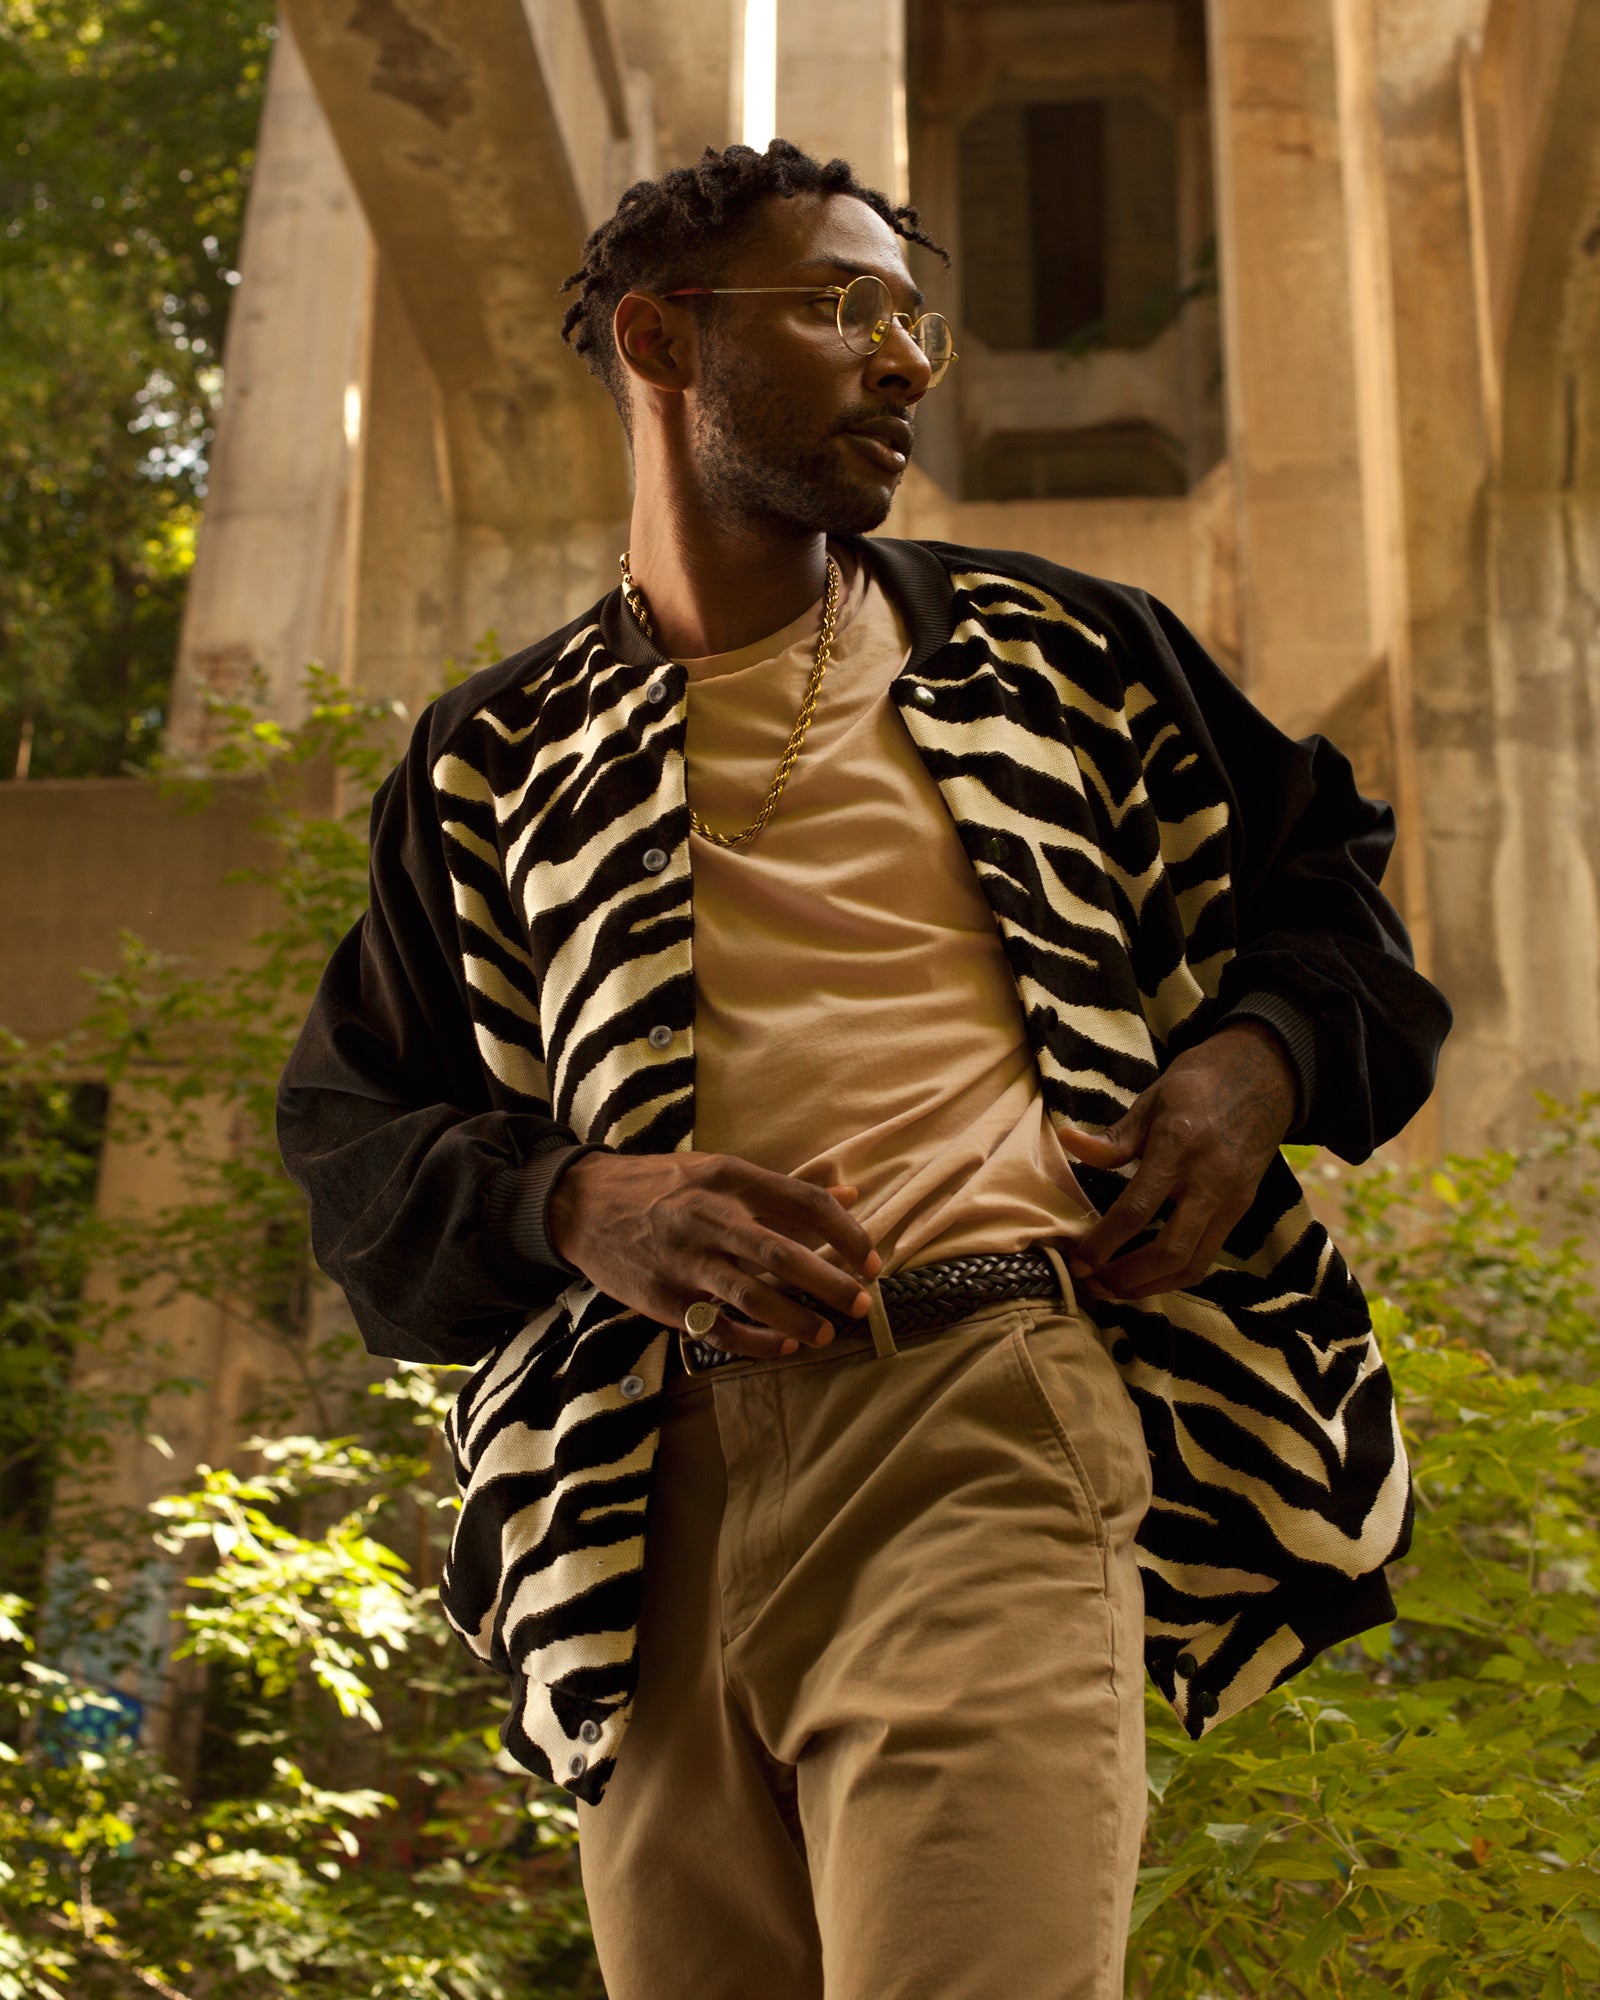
[(270, 583), (1308, 352)]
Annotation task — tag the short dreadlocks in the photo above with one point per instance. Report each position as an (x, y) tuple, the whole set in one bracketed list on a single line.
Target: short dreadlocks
[(685, 227)]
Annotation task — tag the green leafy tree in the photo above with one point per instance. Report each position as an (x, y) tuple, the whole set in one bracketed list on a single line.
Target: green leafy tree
[(127, 130), (1419, 1814), (346, 1826)]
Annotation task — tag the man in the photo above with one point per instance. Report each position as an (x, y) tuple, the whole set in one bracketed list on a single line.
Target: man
[(819, 1047)]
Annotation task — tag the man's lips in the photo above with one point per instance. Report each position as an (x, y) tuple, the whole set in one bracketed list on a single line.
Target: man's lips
[(886, 441)]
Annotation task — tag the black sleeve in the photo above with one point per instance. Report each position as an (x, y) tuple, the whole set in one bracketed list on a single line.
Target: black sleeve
[(1322, 953), (426, 1199)]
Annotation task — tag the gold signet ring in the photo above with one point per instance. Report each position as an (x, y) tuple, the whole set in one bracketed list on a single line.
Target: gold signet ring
[(701, 1317)]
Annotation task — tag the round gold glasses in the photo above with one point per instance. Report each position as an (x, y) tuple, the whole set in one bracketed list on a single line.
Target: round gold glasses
[(865, 315)]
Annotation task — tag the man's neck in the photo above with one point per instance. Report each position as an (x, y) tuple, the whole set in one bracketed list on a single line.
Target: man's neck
[(711, 590)]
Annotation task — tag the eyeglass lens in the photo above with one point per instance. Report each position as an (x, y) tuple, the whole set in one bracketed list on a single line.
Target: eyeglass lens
[(866, 313)]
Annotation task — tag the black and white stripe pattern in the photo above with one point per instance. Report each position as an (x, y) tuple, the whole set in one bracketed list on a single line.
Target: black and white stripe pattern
[(1100, 833)]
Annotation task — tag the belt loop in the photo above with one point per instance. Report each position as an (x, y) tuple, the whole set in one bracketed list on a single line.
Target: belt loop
[(878, 1320), (1058, 1264)]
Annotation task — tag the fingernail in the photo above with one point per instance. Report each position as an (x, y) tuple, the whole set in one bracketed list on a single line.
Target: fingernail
[(823, 1334), (873, 1265), (790, 1347), (861, 1307)]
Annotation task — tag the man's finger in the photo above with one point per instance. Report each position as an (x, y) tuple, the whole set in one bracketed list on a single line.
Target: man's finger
[(793, 1267), (785, 1203), (1118, 1144), (1133, 1210), (764, 1304), (1179, 1259), (1181, 1254), (750, 1343)]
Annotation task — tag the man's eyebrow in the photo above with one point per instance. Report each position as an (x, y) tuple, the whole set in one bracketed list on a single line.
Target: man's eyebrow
[(849, 271)]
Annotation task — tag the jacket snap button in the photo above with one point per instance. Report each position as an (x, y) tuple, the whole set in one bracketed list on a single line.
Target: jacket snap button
[(998, 849), (1187, 1665), (590, 1732), (655, 859), (631, 1386), (922, 693), (1207, 1703), (660, 1036), (577, 1764), (1124, 1352), (656, 693)]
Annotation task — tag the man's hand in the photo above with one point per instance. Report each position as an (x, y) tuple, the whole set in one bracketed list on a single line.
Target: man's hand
[(660, 1230), (1204, 1134)]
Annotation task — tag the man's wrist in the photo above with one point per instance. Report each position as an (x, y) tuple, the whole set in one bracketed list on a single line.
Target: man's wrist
[(518, 1209), (1295, 1037)]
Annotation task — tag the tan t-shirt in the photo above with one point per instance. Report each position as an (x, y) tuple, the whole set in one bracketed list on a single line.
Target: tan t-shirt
[(855, 1018)]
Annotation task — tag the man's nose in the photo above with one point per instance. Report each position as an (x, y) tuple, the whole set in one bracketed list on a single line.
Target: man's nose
[(899, 363)]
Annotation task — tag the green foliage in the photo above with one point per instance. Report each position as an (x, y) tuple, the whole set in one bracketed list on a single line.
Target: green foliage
[(279, 1605), (1419, 1813), (126, 137), (345, 1825)]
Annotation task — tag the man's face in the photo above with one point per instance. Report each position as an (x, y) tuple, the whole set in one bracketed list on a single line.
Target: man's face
[(789, 427)]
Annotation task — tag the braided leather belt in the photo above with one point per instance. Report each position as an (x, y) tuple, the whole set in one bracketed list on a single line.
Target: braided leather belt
[(924, 1300)]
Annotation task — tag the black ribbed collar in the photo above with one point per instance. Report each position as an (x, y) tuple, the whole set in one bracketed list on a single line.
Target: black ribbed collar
[(919, 583), (911, 573)]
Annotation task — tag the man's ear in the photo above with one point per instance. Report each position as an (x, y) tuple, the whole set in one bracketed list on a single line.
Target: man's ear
[(657, 342)]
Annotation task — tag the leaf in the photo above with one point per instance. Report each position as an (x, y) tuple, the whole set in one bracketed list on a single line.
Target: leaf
[(1405, 1885), (1239, 1845), (1155, 1886), (1306, 1960), (1160, 1766)]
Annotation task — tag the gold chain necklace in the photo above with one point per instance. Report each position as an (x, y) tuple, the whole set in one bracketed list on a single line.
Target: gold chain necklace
[(797, 735)]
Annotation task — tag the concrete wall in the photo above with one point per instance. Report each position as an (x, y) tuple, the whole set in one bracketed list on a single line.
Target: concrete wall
[(84, 859), (1490, 118)]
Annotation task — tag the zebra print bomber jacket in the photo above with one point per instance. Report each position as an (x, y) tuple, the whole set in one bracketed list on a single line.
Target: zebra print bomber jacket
[(1156, 856)]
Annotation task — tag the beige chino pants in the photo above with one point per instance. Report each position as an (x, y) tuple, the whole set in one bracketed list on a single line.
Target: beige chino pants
[(888, 1742)]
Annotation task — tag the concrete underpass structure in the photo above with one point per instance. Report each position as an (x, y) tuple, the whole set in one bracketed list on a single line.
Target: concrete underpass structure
[(1286, 309)]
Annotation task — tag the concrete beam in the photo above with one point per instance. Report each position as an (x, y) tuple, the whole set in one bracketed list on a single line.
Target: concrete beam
[(685, 50), (447, 120), (841, 85)]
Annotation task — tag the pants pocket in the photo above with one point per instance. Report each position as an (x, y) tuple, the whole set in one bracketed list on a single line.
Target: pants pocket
[(1075, 1386)]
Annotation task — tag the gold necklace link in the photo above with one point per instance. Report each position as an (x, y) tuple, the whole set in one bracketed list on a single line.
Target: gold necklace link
[(797, 735)]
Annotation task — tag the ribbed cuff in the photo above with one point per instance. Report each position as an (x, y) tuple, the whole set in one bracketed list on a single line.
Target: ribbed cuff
[(518, 1209), (1299, 1041)]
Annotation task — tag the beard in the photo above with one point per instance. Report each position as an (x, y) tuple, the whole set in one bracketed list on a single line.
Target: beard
[(759, 460)]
